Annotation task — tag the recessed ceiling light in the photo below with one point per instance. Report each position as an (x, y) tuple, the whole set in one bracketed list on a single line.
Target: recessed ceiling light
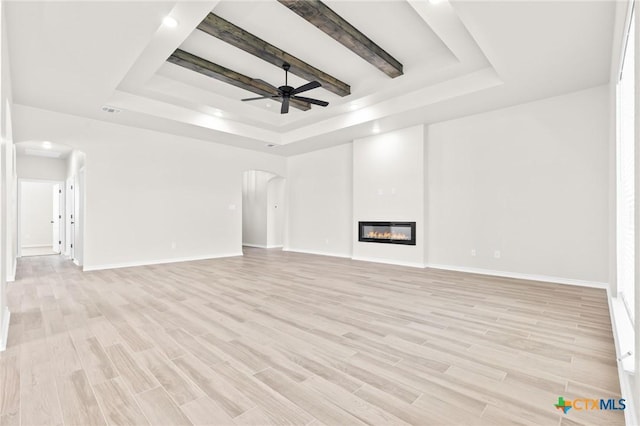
[(170, 22), (375, 129), (354, 107), (268, 105), (218, 113), (46, 145)]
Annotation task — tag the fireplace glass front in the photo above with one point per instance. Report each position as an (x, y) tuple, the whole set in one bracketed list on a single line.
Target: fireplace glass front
[(388, 232)]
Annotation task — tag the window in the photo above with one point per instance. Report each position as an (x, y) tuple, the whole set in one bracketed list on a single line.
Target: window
[(626, 174)]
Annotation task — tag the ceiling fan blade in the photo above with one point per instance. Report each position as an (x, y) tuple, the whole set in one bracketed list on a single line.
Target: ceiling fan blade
[(260, 97), (311, 100), (285, 105), (305, 87)]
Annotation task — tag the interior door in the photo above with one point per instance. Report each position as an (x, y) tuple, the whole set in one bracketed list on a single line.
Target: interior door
[(78, 218), (55, 218), (71, 196)]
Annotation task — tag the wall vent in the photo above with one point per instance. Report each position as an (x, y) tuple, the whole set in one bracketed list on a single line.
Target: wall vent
[(110, 109)]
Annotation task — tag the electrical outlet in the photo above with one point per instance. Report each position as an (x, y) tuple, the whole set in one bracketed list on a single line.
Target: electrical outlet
[(496, 254), (473, 252), (326, 241), (173, 245)]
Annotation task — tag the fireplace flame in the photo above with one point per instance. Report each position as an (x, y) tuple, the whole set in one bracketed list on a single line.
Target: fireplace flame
[(387, 235)]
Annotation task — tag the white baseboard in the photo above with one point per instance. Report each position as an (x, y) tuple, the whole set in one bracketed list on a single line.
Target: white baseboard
[(261, 246), (389, 261), (156, 262), (521, 276), (11, 276), (319, 253), (4, 332), (254, 245)]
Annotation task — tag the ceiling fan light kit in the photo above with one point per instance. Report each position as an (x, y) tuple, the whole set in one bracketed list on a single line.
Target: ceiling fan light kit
[(286, 92)]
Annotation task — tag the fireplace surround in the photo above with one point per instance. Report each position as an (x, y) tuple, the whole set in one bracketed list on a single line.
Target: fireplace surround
[(387, 232)]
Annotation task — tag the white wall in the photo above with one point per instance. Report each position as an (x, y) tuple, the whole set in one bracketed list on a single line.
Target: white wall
[(31, 167), (8, 181), (388, 185), (275, 212), (36, 210), (150, 196), (530, 181), (254, 207), (320, 202)]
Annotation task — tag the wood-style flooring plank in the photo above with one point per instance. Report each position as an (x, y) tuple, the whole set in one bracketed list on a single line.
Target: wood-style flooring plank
[(160, 409), (277, 337), (79, 405)]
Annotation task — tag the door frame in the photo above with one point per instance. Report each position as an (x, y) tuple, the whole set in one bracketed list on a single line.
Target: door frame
[(19, 212)]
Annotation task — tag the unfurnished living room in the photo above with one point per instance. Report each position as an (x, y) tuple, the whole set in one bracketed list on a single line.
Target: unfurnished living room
[(319, 212)]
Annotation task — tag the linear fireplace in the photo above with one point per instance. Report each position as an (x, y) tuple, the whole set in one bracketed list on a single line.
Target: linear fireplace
[(387, 232)]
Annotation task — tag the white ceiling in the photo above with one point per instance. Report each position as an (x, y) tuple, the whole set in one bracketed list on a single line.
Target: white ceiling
[(458, 57)]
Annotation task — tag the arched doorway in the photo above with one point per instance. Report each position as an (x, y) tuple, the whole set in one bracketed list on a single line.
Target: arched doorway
[(263, 209)]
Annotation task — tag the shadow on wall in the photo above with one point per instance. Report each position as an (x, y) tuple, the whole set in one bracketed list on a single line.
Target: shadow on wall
[(263, 209)]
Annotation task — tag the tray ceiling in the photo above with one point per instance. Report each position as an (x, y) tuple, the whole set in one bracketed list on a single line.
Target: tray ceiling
[(453, 55)]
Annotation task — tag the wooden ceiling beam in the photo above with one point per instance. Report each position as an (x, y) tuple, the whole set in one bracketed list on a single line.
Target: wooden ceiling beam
[(236, 36), (323, 17), (202, 66)]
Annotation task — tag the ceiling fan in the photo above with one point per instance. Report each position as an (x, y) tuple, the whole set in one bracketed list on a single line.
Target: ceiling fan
[(287, 92)]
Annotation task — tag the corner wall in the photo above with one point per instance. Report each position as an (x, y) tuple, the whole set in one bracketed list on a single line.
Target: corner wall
[(530, 182), (151, 197)]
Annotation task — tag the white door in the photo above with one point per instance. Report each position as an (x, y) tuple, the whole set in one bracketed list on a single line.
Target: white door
[(55, 218), (78, 218), (70, 215)]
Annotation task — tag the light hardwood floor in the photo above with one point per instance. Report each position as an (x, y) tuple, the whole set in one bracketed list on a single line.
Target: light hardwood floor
[(287, 338)]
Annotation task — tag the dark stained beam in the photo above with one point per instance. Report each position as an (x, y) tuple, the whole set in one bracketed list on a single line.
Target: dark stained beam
[(320, 15), (197, 64), (236, 36)]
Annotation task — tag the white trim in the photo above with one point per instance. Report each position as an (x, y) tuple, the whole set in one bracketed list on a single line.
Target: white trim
[(254, 245), (155, 262), (389, 261), (38, 246), (622, 332), (11, 278), (319, 253), (624, 375), (272, 246), (520, 276), (4, 333)]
